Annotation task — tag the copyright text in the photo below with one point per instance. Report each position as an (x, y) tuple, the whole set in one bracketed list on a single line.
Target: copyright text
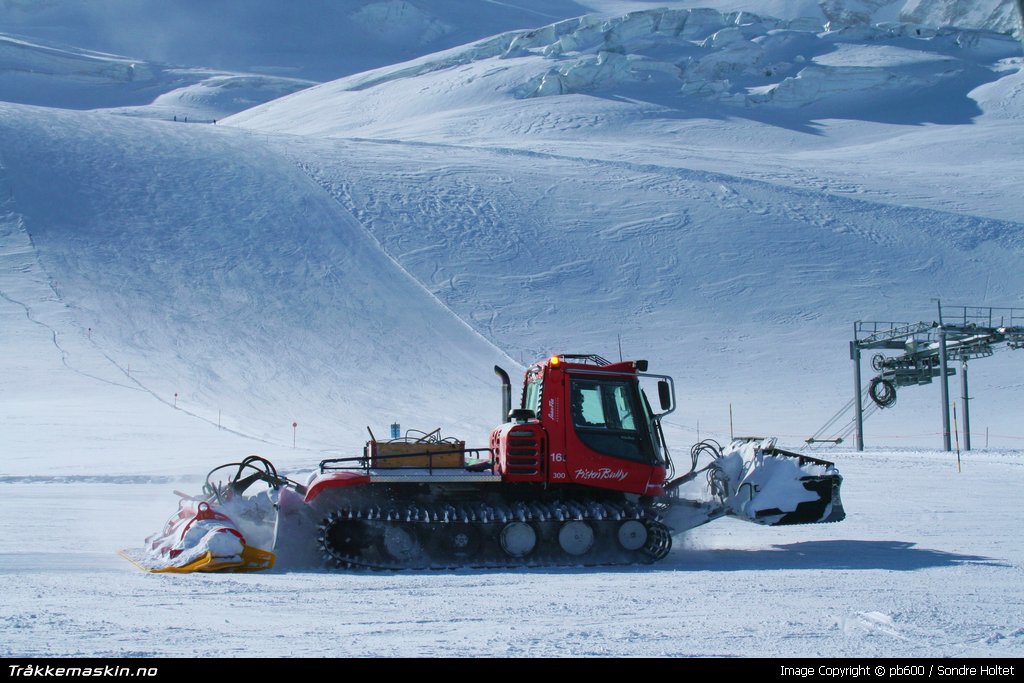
[(879, 671)]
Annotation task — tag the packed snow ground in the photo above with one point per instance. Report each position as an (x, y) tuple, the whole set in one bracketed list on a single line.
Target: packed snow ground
[(173, 297), (926, 564)]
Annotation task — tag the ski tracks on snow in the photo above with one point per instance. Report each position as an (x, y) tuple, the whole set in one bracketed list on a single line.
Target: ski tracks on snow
[(21, 269), (503, 229), (934, 640), (342, 197), (952, 225)]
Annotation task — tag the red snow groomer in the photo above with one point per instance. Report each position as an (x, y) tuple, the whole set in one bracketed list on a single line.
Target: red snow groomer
[(580, 473)]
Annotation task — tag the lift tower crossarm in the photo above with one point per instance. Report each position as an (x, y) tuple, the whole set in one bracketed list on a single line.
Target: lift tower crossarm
[(889, 335)]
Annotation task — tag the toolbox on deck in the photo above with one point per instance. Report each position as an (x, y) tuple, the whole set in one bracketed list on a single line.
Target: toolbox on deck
[(401, 453)]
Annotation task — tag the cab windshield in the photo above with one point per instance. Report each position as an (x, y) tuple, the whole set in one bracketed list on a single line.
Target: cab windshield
[(608, 417)]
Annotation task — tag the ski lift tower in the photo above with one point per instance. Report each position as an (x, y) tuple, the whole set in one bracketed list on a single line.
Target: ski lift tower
[(926, 349), (893, 336)]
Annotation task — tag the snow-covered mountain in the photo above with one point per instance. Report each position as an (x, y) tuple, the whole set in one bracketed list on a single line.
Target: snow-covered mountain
[(314, 39), (209, 60), (724, 192), (411, 192)]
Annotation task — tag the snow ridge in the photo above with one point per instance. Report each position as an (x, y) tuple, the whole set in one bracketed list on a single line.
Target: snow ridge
[(34, 72), (669, 58)]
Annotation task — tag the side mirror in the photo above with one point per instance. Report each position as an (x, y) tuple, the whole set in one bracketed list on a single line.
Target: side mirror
[(664, 395)]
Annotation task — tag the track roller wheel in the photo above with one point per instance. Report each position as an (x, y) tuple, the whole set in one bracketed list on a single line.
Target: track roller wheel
[(459, 540), (632, 534), (400, 543), (576, 537), (518, 539)]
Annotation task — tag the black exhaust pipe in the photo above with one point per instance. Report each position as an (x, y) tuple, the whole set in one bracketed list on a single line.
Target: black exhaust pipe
[(506, 393)]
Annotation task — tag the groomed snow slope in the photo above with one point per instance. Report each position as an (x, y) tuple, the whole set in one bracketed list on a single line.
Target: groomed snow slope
[(257, 281), (731, 234), (204, 265)]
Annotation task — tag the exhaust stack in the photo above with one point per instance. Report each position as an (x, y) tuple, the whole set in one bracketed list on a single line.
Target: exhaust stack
[(506, 394)]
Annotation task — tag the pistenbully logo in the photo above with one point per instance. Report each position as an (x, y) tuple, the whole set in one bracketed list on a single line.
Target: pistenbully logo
[(602, 474)]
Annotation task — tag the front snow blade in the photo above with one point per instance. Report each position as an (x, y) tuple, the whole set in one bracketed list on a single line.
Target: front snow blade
[(775, 487), (827, 507)]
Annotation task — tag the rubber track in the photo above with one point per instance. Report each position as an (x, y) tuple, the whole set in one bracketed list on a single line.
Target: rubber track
[(489, 519)]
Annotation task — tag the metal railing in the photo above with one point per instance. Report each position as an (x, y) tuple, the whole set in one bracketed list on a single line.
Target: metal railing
[(366, 461)]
